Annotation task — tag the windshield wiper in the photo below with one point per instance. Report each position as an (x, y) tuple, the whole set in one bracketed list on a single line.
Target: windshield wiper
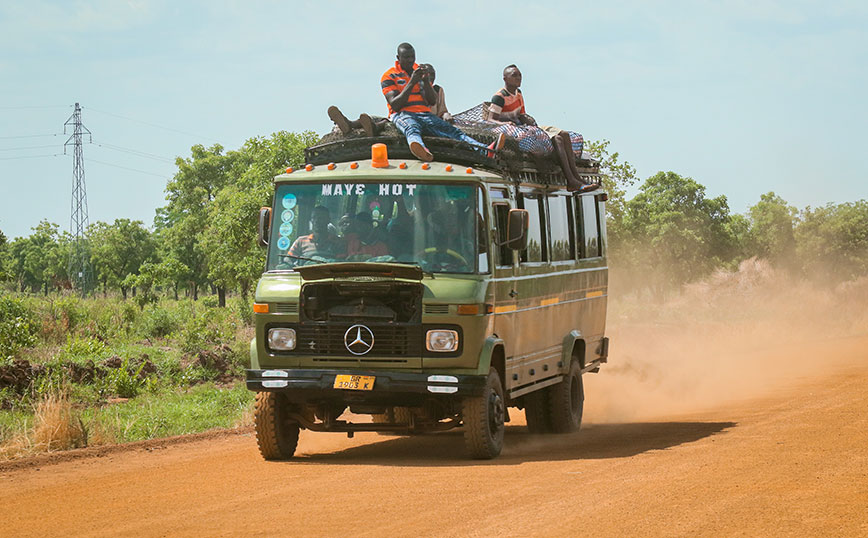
[(321, 260), (417, 264)]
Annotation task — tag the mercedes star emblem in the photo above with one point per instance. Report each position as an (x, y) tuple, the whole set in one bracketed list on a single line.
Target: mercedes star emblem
[(359, 339)]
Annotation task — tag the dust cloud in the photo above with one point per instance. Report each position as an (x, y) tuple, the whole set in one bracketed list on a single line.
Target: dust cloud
[(734, 336)]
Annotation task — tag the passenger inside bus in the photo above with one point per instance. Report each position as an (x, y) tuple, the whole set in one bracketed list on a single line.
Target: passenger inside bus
[(322, 242), (363, 240)]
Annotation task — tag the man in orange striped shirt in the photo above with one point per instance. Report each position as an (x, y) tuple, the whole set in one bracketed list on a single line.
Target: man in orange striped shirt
[(409, 96)]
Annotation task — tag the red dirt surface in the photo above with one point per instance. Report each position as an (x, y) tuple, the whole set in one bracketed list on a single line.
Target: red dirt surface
[(788, 458)]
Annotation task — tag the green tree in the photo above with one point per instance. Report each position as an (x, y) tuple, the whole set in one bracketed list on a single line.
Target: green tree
[(617, 177), (119, 249), (181, 222), (771, 229), (832, 241), (38, 261), (229, 242), (673, 233)]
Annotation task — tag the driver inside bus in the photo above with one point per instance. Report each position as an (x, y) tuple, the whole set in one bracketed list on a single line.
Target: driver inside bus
[(322, 242)]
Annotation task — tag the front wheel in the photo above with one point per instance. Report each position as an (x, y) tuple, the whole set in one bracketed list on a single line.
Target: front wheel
[(567, 400), (276, 433), (484, 418)]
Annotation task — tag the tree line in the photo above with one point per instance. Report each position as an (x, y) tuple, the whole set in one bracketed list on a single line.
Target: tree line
[(671, 232)]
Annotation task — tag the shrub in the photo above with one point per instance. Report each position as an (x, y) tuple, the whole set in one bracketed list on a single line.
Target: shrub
[(18, 327), (207, 330), (124, 381), (82, 347), (157, 321)]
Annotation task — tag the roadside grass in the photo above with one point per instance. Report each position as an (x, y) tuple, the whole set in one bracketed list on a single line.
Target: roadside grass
[(56, 424), (85, 372)]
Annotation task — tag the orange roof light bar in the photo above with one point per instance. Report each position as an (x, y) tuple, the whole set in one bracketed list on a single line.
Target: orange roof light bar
[(379, 156)]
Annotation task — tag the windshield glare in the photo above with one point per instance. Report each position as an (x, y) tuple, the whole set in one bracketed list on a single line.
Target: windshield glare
[(438, 227)]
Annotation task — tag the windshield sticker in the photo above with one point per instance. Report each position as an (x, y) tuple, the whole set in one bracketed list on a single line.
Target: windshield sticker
[(283, 243), (289, 201), (286, 229), (287, 216), (346, 189)]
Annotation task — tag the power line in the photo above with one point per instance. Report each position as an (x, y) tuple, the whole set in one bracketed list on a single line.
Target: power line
[(151, 124), (135, 152), (30, 136), (33, 156), (29, 147), (128, 168), (30, 107)]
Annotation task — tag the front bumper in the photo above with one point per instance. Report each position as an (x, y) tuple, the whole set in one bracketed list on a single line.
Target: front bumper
[(387, 385)]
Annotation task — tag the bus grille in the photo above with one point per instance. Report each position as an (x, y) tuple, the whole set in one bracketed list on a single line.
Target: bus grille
[(389, 340)]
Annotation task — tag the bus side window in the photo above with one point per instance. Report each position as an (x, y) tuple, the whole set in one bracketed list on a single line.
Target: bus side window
[(536, 240), (561, 228), (590, 227), (501, 216)]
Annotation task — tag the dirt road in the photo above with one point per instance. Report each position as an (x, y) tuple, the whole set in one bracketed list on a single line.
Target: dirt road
[(792, 460)]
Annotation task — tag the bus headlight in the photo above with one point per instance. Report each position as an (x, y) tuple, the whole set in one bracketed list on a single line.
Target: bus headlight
[(282, 339), (441, 340)]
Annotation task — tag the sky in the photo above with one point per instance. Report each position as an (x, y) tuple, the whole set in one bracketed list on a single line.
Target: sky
[(745, 97)]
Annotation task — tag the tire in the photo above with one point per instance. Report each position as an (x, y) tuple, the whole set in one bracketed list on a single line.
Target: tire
[(537, 409), (276, 434), (484, 420), (567, 401)]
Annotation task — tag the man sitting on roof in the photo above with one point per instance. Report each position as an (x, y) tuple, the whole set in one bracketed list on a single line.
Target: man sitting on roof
[(507, 109), (409, 96), (439, 107)]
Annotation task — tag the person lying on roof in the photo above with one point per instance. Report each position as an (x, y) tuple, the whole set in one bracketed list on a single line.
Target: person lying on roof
[(507, 110), (409, 96)]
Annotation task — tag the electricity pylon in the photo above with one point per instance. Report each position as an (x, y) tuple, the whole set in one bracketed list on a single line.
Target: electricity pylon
[(79, 261)]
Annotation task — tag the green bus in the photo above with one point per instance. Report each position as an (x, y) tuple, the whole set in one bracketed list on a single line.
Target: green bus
[(410, 297)]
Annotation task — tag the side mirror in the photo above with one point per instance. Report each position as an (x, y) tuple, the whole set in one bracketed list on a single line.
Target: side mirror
[(264, 226), (516, 229)]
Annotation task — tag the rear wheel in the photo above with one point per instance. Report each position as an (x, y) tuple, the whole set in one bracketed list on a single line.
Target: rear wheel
[(537, 411), (276, 433), (484, 417), (567, 401)]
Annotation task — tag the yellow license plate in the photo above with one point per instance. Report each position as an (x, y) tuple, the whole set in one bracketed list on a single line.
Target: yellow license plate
[(354, 382)]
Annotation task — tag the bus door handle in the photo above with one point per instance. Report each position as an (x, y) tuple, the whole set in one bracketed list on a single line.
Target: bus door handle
[(513, 294)]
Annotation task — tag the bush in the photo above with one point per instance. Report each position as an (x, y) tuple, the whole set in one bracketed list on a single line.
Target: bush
[(158, 321), (124, 381), (208, 329), (18, 327), (210, 301), (84, 348)]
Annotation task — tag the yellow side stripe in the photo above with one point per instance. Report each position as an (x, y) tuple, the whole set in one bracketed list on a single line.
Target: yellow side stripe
[(505, 308), (594, 294), (553, 300)]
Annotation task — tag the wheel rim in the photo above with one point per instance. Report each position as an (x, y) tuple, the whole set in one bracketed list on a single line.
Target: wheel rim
[(495, 413)]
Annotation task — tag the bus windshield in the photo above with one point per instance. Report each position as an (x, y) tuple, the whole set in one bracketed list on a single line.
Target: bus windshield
[(439, 227)]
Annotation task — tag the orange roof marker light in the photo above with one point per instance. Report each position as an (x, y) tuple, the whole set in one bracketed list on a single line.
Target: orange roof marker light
[(448, 167), (402, 166), (332, 166), (379, 156), (289, 170), (308, 167), (425, 166), (470, 170), (354, 165)]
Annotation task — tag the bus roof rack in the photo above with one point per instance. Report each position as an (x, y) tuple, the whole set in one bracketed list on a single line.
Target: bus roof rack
[(510, 162)]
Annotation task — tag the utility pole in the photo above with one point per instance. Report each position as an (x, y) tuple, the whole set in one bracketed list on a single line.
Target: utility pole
[(79, 263)]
